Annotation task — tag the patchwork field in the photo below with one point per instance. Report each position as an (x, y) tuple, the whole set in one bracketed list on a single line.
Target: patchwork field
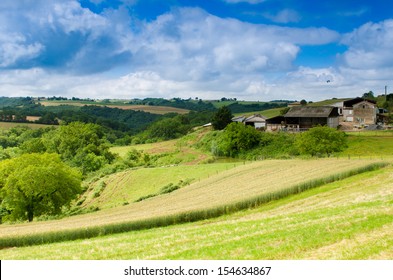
[(160, 110), (8, 125), (227, 191), (347, 219)]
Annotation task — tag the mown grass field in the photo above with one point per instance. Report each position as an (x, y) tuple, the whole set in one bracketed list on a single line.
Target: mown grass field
[(8, 125), (128, 186), (227, 191), (347, 219), (159, 110)]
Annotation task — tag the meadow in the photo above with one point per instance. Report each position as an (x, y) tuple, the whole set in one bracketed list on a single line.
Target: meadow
[(347, 219), (244, 186)]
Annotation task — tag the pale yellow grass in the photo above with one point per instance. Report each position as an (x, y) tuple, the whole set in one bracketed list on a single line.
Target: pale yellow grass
[(224, 188)]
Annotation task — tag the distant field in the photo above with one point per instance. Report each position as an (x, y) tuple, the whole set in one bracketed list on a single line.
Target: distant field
[(348, 219), (228, 187), (160, 110), (8, 125)]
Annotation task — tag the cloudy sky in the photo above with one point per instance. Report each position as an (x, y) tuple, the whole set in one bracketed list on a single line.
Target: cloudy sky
[(248, 49)]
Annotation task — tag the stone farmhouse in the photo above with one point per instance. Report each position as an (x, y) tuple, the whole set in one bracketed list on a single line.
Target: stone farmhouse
[(352, 113)]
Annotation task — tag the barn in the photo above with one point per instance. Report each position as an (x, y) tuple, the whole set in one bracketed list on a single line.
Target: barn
[(306, 117)]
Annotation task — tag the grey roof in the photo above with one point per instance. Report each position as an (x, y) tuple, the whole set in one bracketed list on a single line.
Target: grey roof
[(238, 119), (255, 118), (310, 111)]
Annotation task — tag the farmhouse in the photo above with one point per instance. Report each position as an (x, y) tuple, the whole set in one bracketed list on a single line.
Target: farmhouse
[(305, 117), (358, 111)]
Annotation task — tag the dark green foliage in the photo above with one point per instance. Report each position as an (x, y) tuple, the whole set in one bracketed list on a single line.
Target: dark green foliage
[(321, 140), (188, 104), (243, 108), (222, 118)]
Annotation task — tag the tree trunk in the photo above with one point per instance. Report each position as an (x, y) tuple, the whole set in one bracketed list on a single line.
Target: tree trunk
[(30, 213)]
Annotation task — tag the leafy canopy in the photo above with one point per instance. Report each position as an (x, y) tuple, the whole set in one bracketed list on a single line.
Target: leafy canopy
[(36, 184), (321, 140)]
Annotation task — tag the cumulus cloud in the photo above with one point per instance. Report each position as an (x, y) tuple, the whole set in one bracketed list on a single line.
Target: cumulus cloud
[(370, 46), (60, 35), (192, 44)]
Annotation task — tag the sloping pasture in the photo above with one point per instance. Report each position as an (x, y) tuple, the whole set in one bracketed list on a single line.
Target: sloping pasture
[(347, 219), (225, 192)]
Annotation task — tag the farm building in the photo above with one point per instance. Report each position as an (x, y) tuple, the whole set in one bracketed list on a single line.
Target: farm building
[(275, 124), (359, 111), (257, 121), (305, 117)]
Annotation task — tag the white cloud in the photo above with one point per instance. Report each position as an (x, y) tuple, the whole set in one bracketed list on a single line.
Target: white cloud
[(284, 16), (191, 44), (370, 46)]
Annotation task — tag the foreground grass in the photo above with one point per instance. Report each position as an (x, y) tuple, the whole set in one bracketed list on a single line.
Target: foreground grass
[(243, 187), (348, 219)]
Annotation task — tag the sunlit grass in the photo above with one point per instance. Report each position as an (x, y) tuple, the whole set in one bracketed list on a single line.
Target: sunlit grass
[(242, 187), (348, 219)]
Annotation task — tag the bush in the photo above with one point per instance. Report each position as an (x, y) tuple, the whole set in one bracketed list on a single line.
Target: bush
[(321, 140)]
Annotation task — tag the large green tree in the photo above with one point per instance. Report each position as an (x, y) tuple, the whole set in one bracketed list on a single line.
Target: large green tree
[(321, 140), (36, 184)]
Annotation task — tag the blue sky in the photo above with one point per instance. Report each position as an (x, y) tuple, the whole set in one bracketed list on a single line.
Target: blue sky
[(248, 49)]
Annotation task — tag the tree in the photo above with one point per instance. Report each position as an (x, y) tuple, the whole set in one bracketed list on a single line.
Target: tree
[(239, 138), (368, 95), (36, 184), (222, 118), (321, 140), (81, 145)]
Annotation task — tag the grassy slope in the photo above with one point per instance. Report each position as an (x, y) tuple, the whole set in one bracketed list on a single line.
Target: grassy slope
[(225, 188), (128, 186), (348, 219)]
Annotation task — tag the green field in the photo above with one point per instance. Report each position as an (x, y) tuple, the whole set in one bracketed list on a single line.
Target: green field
[(369, 144), (348, 219)]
